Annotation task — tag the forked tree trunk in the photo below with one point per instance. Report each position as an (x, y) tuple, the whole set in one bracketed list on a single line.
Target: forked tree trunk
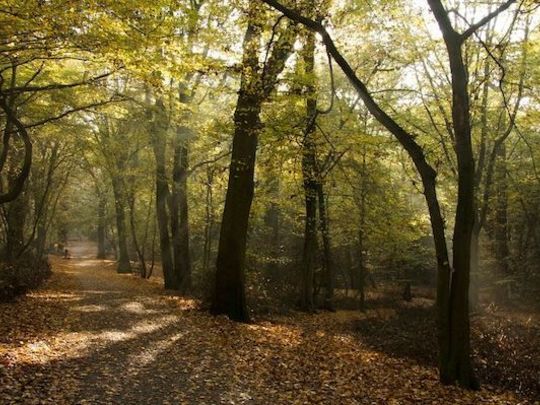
[(229, 292), (457, 365), (255, 87)]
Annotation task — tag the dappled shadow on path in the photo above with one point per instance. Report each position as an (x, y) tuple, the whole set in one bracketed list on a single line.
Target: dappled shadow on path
[(104, 338)]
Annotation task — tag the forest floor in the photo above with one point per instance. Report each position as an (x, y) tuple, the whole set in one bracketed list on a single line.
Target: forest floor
[(91, 336)]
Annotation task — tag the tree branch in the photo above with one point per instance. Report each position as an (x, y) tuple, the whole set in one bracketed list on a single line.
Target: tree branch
[(20, 180), (406, 139), (474, 27), (56, 86)]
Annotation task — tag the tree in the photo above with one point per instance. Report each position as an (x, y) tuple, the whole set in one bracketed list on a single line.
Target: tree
[(256, 86), (453, 286)]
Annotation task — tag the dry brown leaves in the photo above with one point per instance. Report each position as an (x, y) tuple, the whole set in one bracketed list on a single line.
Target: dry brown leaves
[(92, 336)]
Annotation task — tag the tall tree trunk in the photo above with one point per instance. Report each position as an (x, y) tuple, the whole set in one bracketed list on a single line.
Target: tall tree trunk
[(124, 264), (479, 203), (255, 87), (162, 196), (229, 293), (328, 263), (101, 226), (474, 292), (272, 221), (310, 182), (16, 215), (362, 273), (179, 212), (502, 251), (458, 365), (209, 219)]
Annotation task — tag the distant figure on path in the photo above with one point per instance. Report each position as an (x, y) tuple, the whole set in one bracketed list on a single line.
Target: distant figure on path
[(66, 254)]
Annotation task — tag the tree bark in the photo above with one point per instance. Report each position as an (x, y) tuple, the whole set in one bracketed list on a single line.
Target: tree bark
[(255, 87), (229, 294)]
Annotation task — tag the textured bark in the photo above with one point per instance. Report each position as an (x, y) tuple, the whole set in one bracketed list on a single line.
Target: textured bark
[(229, 295), (255, 87)]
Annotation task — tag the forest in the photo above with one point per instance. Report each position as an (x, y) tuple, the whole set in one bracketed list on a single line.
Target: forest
[(269, 201)]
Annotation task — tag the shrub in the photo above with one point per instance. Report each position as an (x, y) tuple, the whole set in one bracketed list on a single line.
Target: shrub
[(24, 274)]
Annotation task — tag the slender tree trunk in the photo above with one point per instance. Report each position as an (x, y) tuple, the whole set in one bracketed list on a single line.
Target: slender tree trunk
[(41, 239), (139, 247), (361, 245), (162, 196), (124, 264), (310, 182), (101, 226), (502, 251), (327, 249), (310, 245), (458, 364), (209, 221), (272, 220), (179, 213), (474, 292)]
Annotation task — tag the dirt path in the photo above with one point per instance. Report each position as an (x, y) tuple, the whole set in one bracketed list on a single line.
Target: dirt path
[(91, 336)]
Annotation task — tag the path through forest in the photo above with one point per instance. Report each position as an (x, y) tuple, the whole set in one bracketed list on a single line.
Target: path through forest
[(93, 336)]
